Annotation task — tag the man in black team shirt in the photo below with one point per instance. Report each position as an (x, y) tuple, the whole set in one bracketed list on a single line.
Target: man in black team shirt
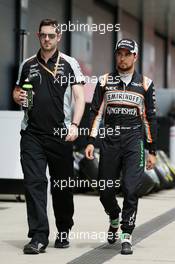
[(127, 100), (55, 77)]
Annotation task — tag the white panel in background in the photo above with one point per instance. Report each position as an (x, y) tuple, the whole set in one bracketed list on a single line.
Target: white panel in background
[(10, 125)]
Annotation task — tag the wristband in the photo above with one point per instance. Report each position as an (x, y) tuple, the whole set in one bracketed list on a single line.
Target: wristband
[(75, 124)]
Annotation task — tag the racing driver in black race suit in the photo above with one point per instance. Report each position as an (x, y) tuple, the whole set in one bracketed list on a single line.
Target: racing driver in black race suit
[(127, 101)]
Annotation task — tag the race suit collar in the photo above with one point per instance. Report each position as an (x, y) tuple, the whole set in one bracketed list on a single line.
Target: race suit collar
[(135, 76)]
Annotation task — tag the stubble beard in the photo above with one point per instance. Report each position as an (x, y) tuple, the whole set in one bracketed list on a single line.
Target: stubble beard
[(127, 69), (48, 48)]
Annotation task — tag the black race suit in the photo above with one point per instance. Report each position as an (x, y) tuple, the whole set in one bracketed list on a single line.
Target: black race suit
[(126, 110)]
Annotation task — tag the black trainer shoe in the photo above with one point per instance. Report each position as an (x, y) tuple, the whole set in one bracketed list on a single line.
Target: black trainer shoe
[(112, 232), (34, 247), (112, 235), (126, 240), (62, 240)]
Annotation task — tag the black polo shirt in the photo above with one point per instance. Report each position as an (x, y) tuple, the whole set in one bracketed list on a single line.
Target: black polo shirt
[(53, 94)]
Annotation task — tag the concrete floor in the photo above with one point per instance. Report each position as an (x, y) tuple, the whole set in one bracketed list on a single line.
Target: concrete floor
[(89, 232)]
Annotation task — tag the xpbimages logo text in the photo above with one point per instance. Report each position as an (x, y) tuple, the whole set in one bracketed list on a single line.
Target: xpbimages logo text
[(70, 79), (86, 235), (81, 183), (101, 28), (102, 132)]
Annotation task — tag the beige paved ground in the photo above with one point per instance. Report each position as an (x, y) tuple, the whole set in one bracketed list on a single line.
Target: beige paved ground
[(90, 222)]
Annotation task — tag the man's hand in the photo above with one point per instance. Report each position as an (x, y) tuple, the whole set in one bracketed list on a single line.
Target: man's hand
[(72, 133), (150, 162), (19, 96), (89, 152)]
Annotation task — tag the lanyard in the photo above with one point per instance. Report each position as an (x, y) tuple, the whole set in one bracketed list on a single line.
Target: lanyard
[(56, 66)]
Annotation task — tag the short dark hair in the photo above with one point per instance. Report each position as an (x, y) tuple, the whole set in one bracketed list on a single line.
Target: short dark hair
[(49, 22)]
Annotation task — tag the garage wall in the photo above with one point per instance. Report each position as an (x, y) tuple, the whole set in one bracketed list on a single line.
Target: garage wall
[(7, 51), (37, 11)]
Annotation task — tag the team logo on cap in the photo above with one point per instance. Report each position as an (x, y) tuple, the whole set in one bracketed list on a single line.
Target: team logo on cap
[(129, 44)]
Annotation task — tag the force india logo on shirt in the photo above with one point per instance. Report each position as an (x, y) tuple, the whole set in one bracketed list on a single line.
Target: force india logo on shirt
[(124, 97)]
